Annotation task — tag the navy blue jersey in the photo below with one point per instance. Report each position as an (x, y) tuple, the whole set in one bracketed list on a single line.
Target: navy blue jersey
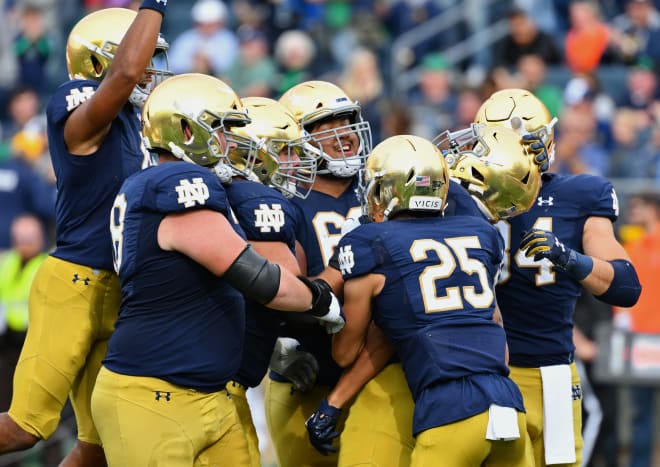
[(537, 300), (87, 186), (436, 308), (177, 321), (266, 216), (263, 213), (318, 224), (460, 202), (318, 229)]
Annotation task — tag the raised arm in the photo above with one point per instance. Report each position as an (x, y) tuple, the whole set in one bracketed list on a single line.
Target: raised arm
[(88, 124)]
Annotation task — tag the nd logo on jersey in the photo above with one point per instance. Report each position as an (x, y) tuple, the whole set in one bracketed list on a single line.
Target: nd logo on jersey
[(269, 217), (346, 259), (192, 193), (78, 96)]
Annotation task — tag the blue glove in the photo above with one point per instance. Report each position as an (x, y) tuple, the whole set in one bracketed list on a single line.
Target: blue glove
[(537, 147), (321, 427), (541, 244)]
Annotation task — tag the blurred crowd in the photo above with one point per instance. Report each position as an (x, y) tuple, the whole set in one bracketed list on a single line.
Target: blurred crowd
[(416, 66)]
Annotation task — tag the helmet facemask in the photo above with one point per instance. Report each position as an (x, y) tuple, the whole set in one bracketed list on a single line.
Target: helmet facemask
[(352, 143), (280, 156), (494, 168), (158, 71)]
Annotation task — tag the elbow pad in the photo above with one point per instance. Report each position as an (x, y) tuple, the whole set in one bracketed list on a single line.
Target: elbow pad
[(254, 276), (625, 287)]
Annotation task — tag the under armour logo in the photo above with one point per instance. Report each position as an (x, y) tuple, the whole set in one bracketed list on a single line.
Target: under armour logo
[(77, 278), (164, 2), (78, 96), (192, 193), (269, 217), (545, 202), (577, 392), (346, 259), (163, 395)]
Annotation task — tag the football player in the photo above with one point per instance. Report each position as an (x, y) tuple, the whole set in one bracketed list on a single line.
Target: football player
[(427, 281), (94, 138), (341, 139), (507, 180), (160, 397), (276, 158), (563, 243)]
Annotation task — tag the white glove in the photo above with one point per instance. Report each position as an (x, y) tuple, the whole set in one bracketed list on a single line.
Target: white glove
[(325, 306), (297, 365), (334, 320)]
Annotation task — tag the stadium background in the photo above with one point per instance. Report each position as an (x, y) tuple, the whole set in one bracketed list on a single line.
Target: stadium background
[(416, 66)]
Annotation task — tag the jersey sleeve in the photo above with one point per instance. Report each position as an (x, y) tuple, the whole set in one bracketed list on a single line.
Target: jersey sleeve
[(357, 253), (268, 218), (67, 98), (185, 187), (460, 202), (600, 197)]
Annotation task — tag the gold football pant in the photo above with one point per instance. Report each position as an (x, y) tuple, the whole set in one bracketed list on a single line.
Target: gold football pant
[(531, 387), (72, 311), (150, 422), (464, 444), (238, 395), (286, 412), (378, 429)]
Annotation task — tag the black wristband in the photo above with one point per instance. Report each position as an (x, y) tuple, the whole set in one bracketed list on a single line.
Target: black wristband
[(158, 5), (321, 295)]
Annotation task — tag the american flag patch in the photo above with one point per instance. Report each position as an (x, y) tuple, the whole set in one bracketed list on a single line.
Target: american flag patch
[(422, 180)]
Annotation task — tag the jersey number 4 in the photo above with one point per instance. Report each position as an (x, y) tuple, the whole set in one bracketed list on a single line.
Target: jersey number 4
[(545, 273), (454, 296)]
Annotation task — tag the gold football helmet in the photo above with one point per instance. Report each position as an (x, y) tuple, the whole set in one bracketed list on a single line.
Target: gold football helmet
[(521, 111), (495, 168), (279, 157), (404, 172), (93, 42), (316, 102), (190, 115)]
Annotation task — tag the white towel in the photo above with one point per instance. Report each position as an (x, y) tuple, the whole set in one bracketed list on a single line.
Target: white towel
[(502, 423), (558, 435)]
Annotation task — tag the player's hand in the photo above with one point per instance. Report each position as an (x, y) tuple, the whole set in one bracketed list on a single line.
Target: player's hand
[(295, 364), (537, 147), (541, 244), (321, 427), (325, 306)]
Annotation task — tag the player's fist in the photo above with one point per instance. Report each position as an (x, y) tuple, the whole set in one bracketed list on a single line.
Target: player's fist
[(325, 306), (541, 244), (295, 364), (321, 427)]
